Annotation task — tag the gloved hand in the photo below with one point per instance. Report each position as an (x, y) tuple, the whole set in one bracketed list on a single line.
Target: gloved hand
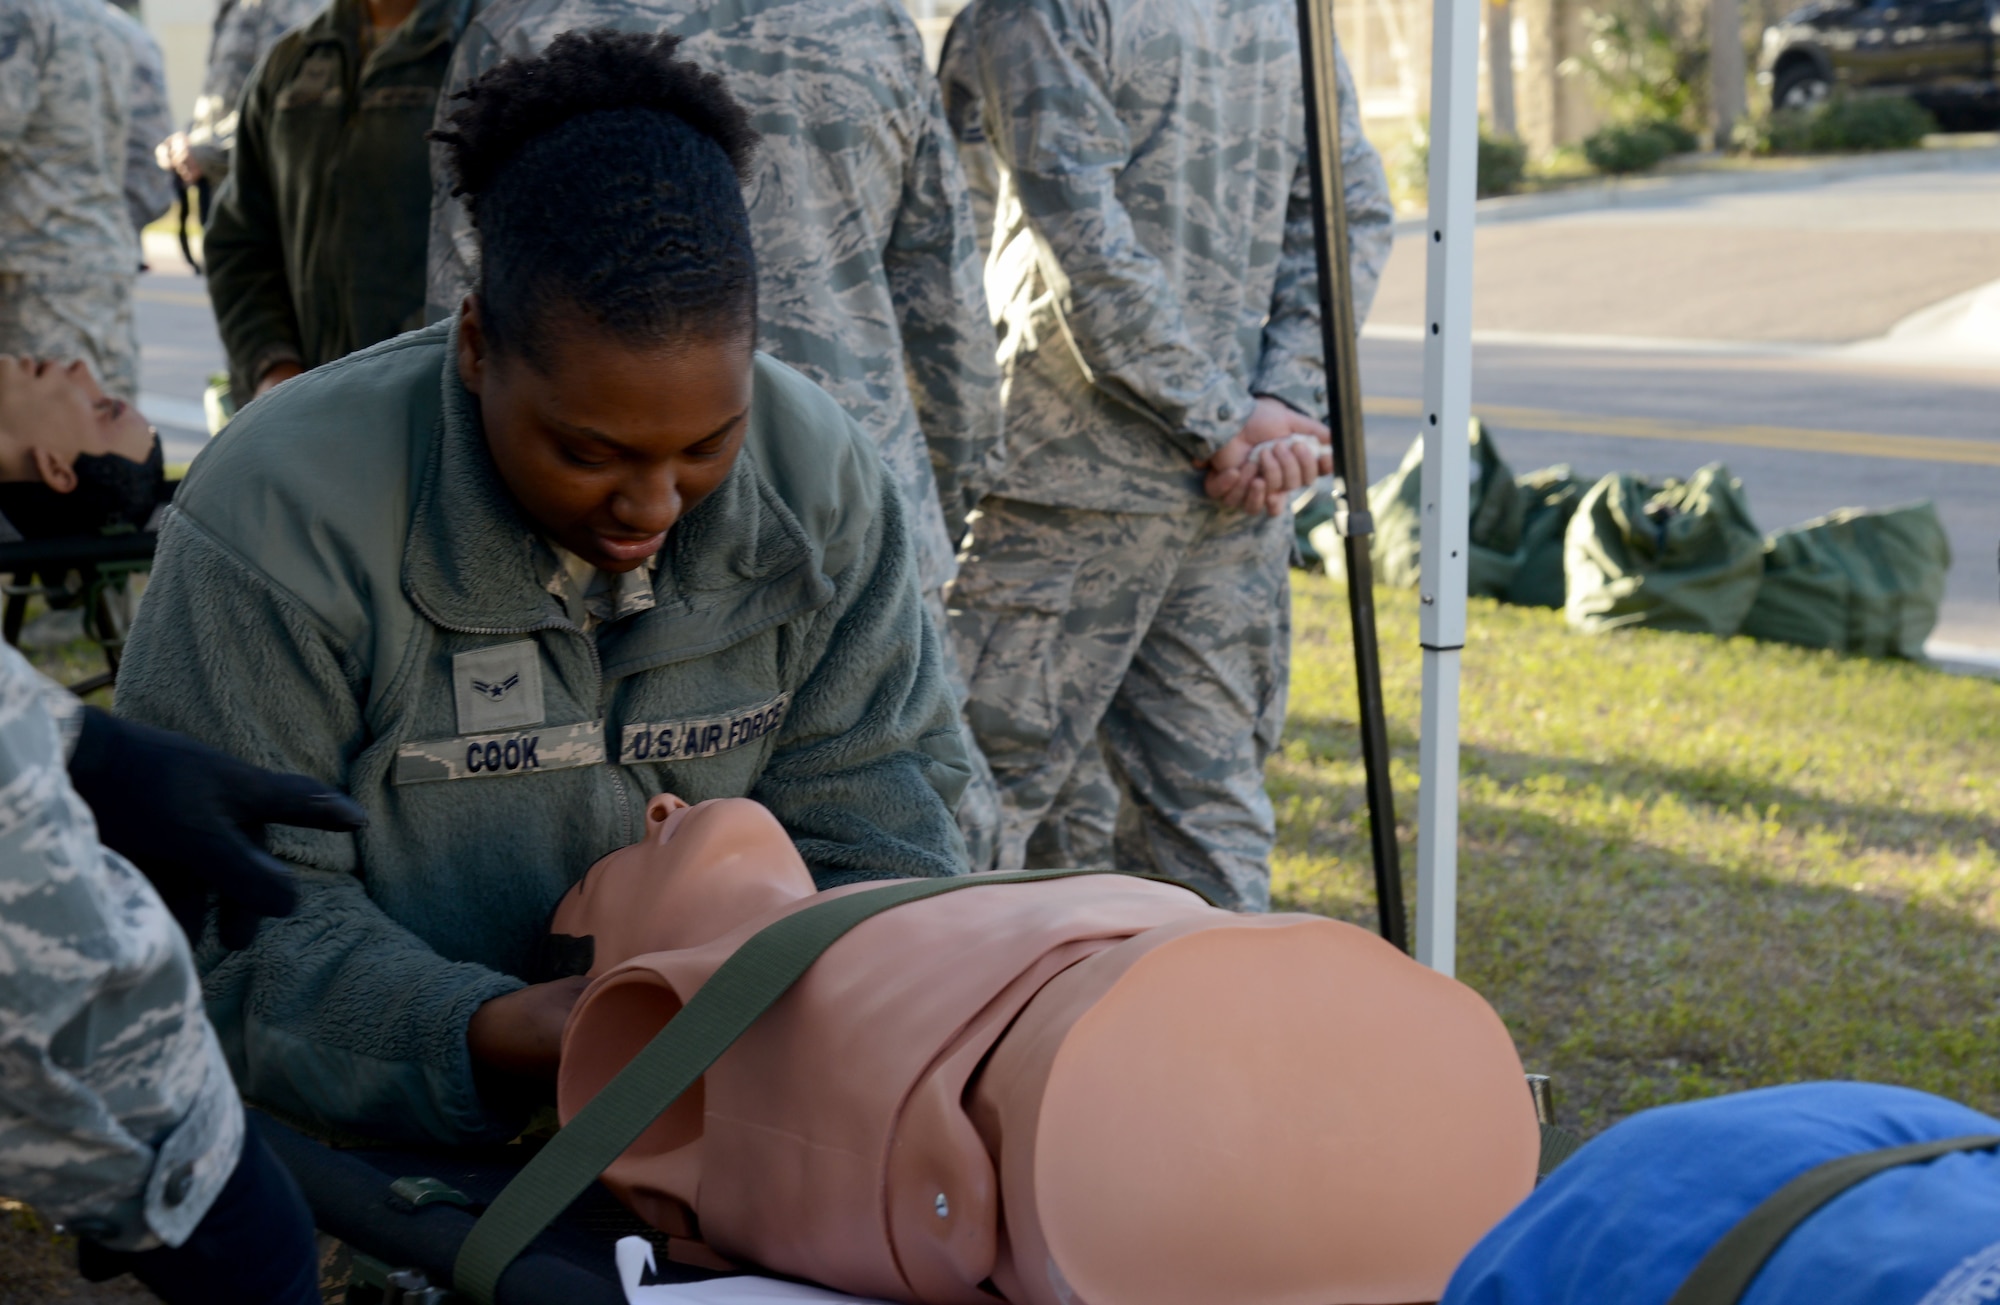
[(254, 1246), (193, 818)]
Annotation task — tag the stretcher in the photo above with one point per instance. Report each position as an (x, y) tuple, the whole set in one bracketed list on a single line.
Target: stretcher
[(93, 572), (403, 1214)]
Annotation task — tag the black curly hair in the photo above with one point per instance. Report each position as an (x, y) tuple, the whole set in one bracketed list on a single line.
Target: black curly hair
[(604, 176)]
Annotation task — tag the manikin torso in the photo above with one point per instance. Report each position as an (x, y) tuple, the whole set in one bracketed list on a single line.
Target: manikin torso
[(1095, 1090)]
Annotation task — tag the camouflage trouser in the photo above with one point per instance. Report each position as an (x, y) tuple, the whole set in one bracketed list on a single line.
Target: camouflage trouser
[(979, 807), (65, 317), (1164, 639)]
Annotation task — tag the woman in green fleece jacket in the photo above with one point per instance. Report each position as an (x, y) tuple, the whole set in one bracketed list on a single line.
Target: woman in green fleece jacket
[(506, 578)]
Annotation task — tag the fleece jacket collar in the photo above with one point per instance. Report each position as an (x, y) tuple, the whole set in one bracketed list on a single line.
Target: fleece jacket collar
[(736, 565)]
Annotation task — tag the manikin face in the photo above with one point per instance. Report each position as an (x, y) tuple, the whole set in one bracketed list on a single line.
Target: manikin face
[(699, 872), (53, 413)]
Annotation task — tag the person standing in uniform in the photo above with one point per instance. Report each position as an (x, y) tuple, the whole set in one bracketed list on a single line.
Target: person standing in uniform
[(316, 244), (149, 188), (1080, 824), (1126, 580), (68, 253), (507, 578), (244, 30), (868, 257)]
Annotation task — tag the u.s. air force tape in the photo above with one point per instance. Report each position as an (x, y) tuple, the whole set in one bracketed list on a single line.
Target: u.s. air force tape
[(518, 752), (689, 740)]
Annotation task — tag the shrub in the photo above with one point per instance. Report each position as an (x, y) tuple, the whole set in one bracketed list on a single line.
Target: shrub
[(1629, 147), (1679, 139), (1846, 123), (1503, 160)]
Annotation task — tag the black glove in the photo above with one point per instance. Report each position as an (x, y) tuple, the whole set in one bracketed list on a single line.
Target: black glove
[(193, 818), (255, 1245)]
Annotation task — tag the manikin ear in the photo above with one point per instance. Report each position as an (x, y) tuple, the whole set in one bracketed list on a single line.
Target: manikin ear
[(471, 345), (57, 474)]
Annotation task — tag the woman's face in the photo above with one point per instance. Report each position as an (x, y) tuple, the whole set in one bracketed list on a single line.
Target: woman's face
[(605, 446)]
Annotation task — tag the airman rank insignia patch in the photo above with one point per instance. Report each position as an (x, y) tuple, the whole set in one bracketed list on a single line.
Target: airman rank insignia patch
[(485, 756), (498, 688), (691, 740)]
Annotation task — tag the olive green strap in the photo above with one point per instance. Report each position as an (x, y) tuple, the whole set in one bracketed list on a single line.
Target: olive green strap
[(762, 970), (1730, 1266)]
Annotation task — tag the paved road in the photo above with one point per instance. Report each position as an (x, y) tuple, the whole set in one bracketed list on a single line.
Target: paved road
[(1835, 262), (178, 348)]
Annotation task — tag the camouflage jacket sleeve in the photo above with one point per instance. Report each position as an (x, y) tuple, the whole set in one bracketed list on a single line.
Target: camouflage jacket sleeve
[(247, 281), (453, 249), (117, 1115), (1293, 365), (958, 84), (1371, 217), (25, 39), (149, 188), (937, 284), (1051, 120)]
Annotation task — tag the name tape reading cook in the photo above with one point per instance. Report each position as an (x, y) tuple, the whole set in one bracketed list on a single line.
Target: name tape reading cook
[(485, 756), (690, 740)]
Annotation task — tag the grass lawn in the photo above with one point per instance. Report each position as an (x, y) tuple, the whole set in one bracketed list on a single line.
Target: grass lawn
[(1687, 865)]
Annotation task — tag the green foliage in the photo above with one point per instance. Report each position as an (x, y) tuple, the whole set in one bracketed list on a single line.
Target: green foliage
[(1688, 865), (1503, 161), (1635, 147), (1841, 124), (1646, 61)]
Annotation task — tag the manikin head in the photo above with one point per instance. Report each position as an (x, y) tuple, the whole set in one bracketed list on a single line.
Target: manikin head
[(52, 414), (699, 872)]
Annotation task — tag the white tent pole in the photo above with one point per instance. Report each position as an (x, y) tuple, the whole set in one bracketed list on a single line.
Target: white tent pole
[(1454, 155)]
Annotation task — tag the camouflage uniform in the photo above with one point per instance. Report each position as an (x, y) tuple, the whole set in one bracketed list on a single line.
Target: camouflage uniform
[(244, 31), (1152, 272), (117, 1115), (68, 253), (149, 188), (868, 262)]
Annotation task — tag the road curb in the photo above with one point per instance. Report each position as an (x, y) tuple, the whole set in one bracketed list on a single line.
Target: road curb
[(1653, 191)]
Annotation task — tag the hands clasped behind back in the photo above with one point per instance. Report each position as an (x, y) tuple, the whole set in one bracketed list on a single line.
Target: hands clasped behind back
[(1264, 465)]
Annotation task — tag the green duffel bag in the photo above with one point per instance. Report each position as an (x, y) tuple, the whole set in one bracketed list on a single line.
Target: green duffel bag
[(1550, 497), (1855, 581), (1665, 554), (1498, 513)]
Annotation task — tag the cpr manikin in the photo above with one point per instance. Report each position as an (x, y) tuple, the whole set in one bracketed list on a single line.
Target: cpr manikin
[(1086, 1091)]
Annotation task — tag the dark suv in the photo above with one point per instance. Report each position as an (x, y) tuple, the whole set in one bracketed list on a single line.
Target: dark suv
[(1940, 53)]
